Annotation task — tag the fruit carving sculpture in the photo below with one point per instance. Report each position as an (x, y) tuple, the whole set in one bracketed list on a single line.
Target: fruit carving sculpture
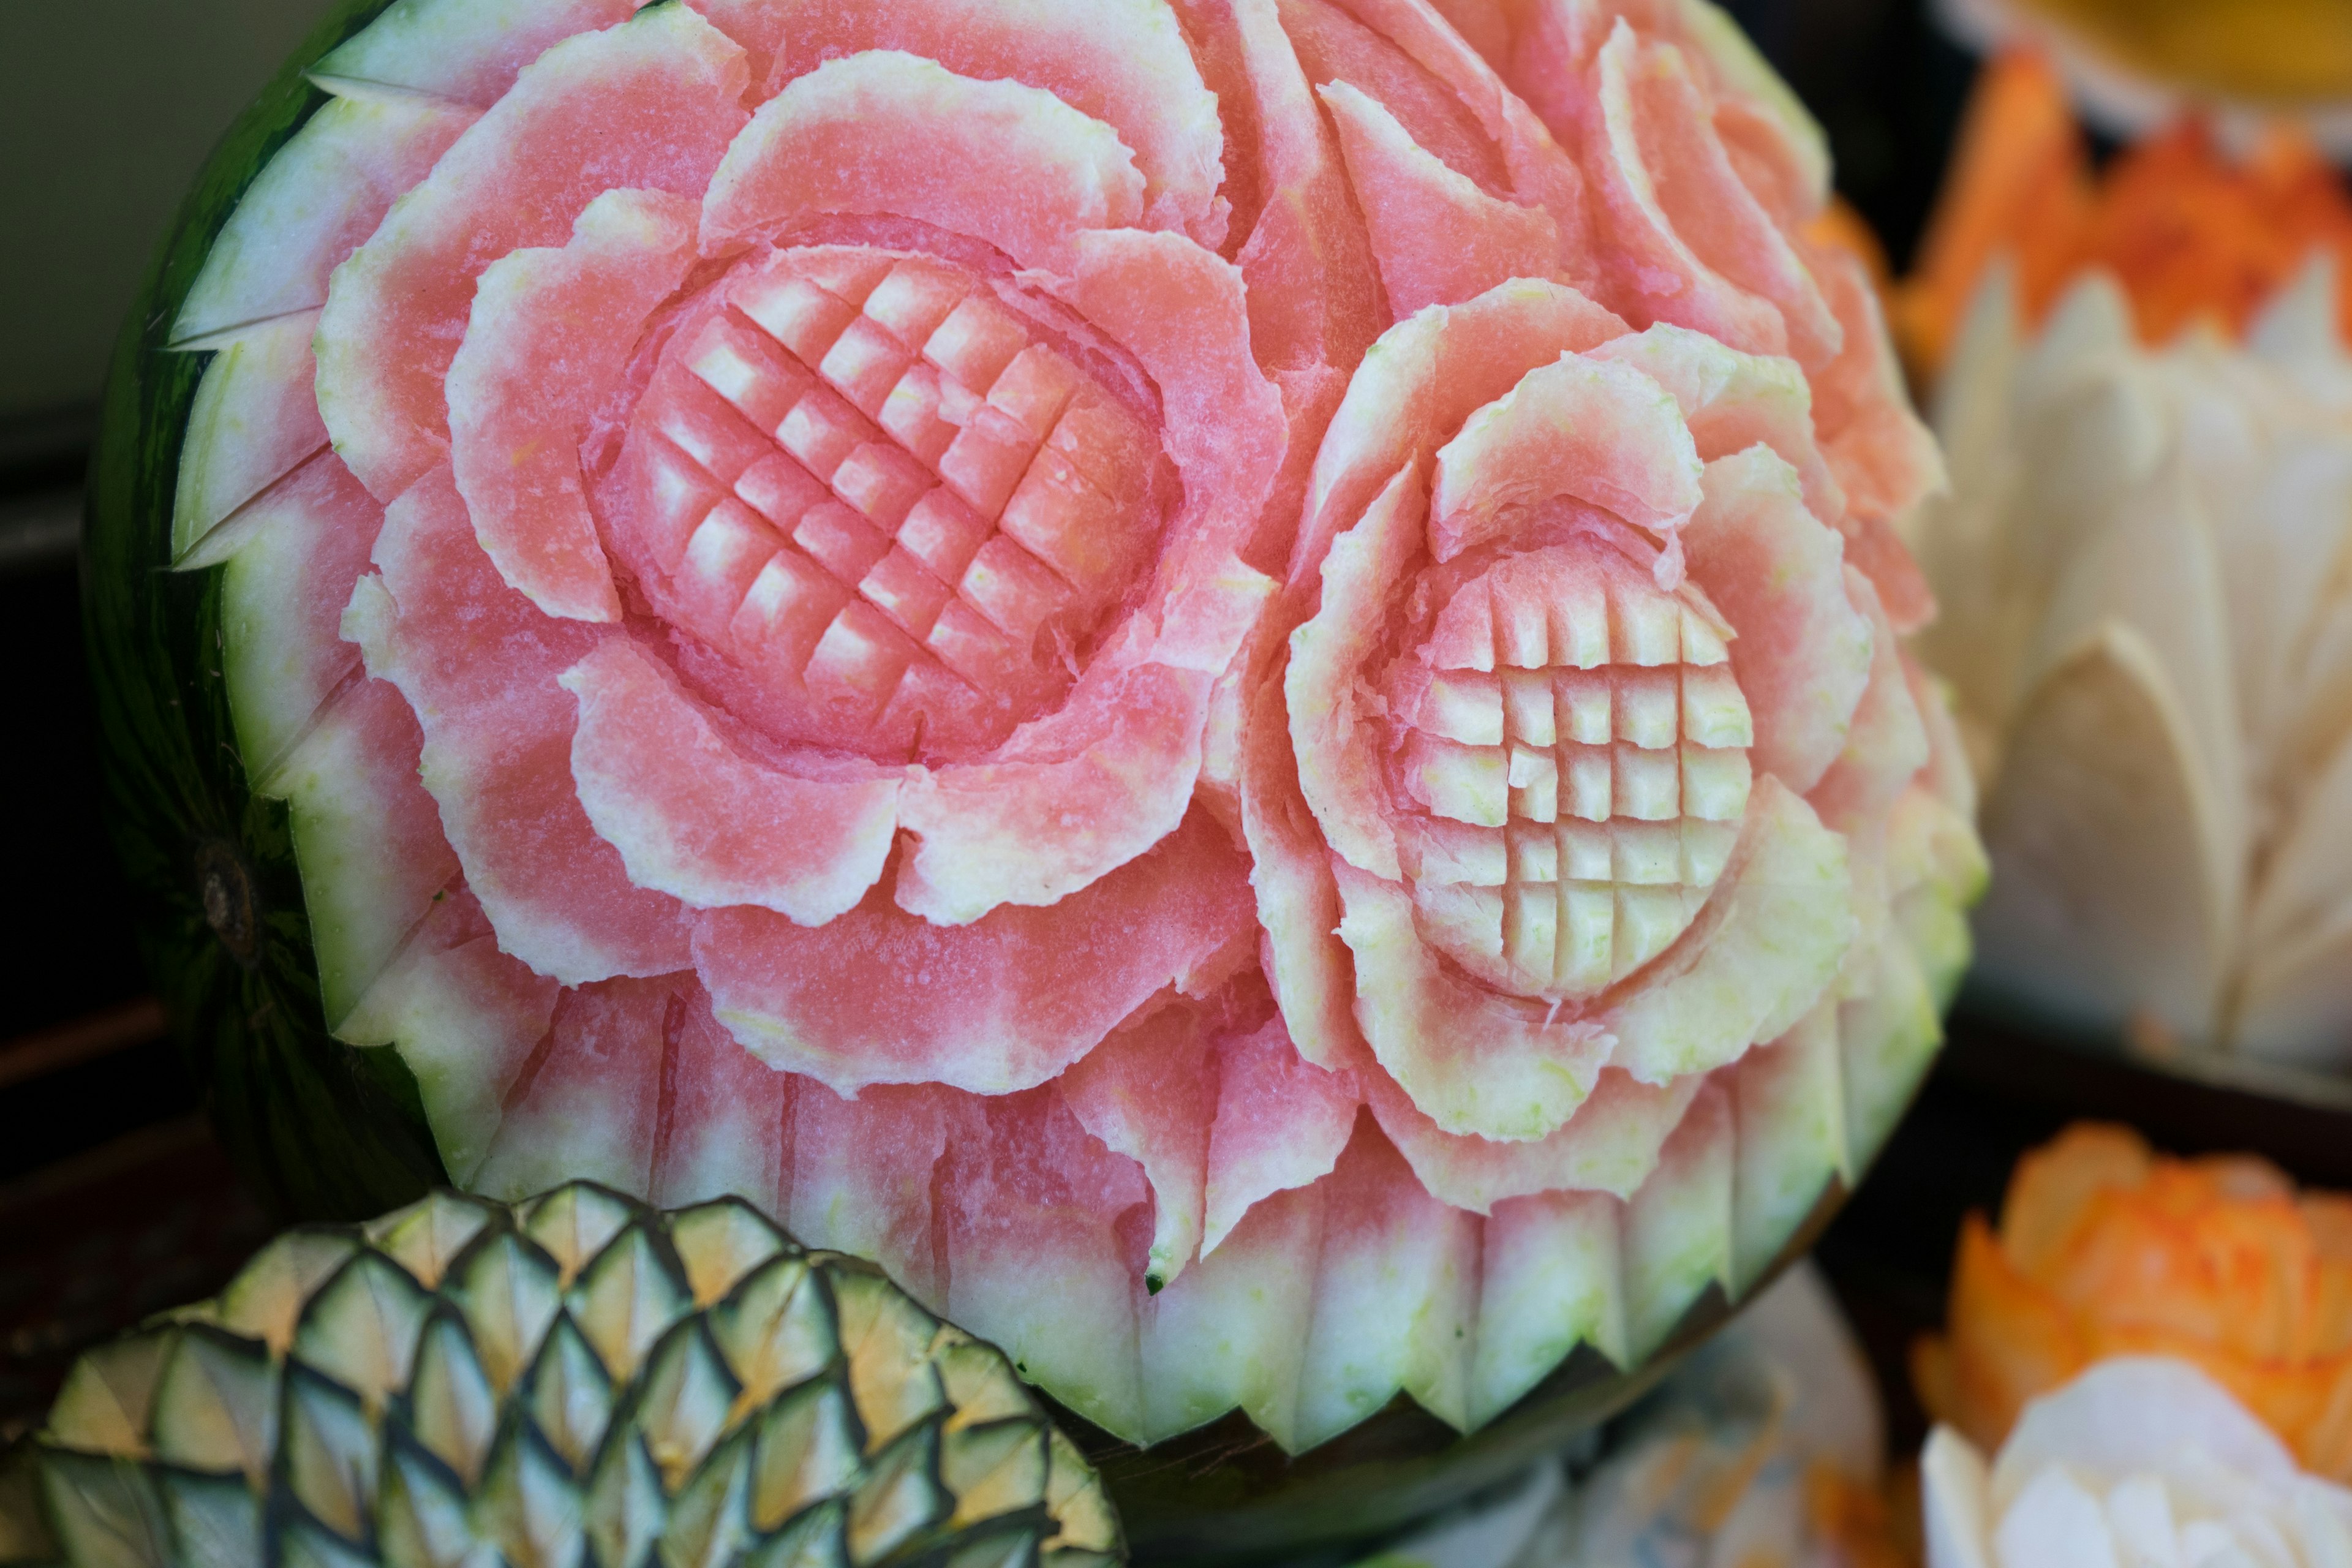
[(1221, 678)]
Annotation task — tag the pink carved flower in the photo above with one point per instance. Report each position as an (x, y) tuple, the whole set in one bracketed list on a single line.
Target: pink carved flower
[(1219, 675)]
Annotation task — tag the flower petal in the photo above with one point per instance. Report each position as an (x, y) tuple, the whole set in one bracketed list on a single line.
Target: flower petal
[(1032, 1215), (1802, 653), (1281, 1123), (467, 52), (1146, 1091), (1341, 746), (1693, 246), (1473, 1060), (549, 333), (1887, 745), (1298, 903), (1123, 62), (305, 543), (1438, 237), (1424, 378), (1334, 46), (254, 420), (1233, 1332), (1003, 162), (1071, 797), (1553, 1278), (1588, 429), (1772, 937), (656, 98), (480, 666), (313, 204), (883, 996), (1314, 294), (1183, 312), (723, 1113), (696, 818), (1610, 1145), (1885, 458), (1732, 401), (1678, 1229)]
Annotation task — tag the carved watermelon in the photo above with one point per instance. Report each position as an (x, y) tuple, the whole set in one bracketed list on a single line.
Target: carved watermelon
[(1223, 677)]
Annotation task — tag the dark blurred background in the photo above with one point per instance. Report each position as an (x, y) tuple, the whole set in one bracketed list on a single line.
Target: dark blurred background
[(114, 1201)]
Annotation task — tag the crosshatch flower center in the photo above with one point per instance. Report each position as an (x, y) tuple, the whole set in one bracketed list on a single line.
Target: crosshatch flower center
[(875, 485), (1573, 746)]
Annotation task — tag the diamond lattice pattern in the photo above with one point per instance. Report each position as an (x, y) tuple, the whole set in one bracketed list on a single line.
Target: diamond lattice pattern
[(898, 501)]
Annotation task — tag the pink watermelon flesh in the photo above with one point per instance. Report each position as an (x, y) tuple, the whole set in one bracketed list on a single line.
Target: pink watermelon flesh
[(694, 817), (999, 161), (1146, 1092), (1312, 306), (1578, 429), (547, 340), (1440, 239), (988, 1007), (1123, 62), (311, 207), (1803, 660), (872, 531), (1887, 745), (1335, 47), (657, 101), (1280, 1125), (1433, 373), (1675, 204), (480, 664)]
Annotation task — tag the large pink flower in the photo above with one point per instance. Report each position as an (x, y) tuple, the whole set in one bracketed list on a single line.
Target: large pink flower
[(1222, 675)]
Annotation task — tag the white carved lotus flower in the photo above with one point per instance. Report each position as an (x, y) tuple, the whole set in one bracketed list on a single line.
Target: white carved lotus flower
[(2146, 572), (2140, 1461)]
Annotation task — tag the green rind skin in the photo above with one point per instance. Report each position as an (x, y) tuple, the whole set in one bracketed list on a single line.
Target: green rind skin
[(318, 1129)]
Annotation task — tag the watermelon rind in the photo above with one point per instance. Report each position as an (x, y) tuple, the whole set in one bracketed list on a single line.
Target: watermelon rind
[(321, 1006)]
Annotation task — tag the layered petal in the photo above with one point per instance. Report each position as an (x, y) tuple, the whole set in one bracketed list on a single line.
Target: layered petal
[(480, 665), (882, 996), (1768, 944), (1123, 62), (1732, 401), (1338, 741), (1439, 239), (1803, 652), (999, 161), (1422, 381), (314, 204), (655, 99), (549, 331), (1588, 430), (467, 52), (696, 818), (1610, 1145), (1281, 1123), (1695, 247), (1147, 1092), (1472, 1059), (1072, 796)]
